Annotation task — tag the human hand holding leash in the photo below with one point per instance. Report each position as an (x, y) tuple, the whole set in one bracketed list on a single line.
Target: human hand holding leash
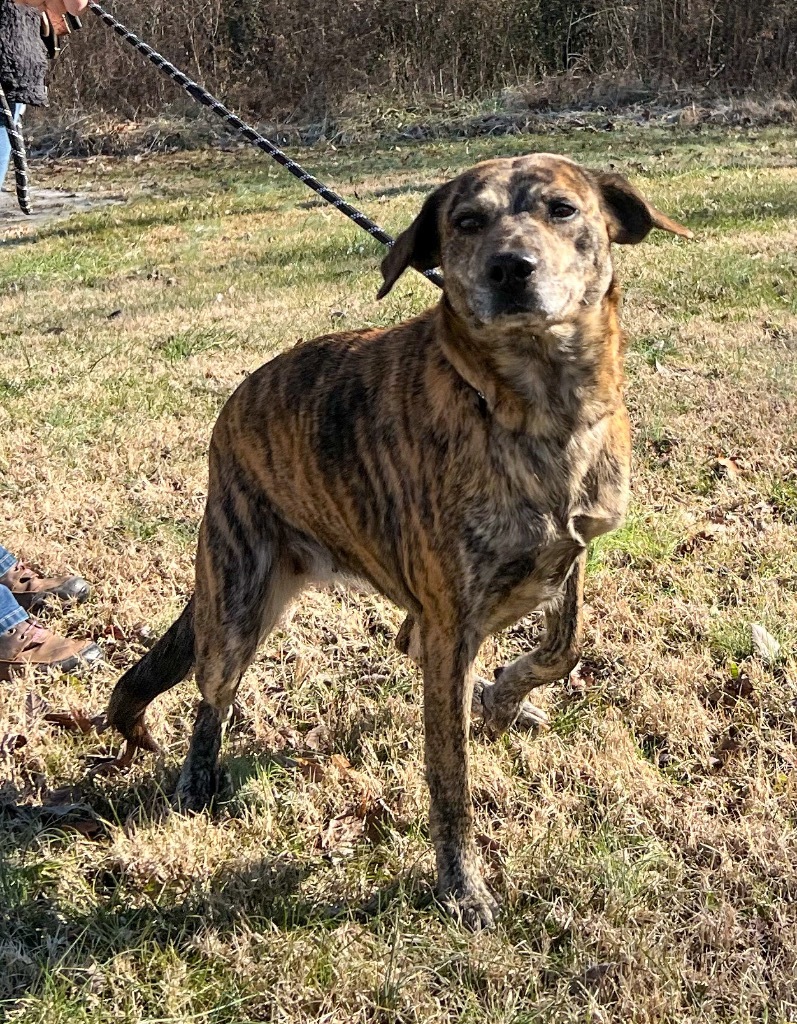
[(59, 18)]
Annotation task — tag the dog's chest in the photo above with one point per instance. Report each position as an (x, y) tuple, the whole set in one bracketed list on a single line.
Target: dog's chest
[(532, 517), (517, 559)]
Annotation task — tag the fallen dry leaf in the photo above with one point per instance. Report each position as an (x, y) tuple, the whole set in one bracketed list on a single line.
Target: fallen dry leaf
[(341, 833), (582, 678), (317, 738), (113, 631), (72, 817), (375, 815), (491, 850), (727, 468), (309, 767), (75, 720), (766, 646), (701, 535), (102, 764)]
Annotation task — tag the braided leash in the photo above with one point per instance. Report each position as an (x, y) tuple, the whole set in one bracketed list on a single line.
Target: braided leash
[(200, 95), (17, 144)]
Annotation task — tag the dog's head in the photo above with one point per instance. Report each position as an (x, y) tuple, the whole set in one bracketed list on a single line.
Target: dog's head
[(524, 237)]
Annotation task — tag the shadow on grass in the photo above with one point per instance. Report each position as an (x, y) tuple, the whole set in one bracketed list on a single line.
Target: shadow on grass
[(122, 907), (419, 188), (776, 206), (142, 219)]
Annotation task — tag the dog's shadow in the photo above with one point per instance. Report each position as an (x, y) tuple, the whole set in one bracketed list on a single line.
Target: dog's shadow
[(274, 890), (277, 887)]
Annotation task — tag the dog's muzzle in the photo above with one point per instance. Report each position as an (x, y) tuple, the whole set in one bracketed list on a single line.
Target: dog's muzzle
[(511, 283)]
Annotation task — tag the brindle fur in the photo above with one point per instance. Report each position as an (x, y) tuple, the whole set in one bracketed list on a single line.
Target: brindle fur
[(460, 461)]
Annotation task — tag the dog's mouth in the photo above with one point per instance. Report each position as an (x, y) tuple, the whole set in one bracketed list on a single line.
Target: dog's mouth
[(490, 306), (512, 306)]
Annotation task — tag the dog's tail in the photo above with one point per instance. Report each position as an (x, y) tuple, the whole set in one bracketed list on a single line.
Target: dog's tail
[(167, 664)]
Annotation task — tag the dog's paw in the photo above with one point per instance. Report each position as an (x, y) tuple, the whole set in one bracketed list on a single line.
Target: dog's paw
[(468, 900), (498, 715), (196, 790), (530, 717), (136, 733), (461, 886)]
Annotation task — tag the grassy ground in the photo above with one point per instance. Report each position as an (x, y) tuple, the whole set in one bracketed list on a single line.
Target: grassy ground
[(644, 847)]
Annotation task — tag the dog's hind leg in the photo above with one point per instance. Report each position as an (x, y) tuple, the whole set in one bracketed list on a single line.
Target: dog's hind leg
[(408, 639), (244, 583)]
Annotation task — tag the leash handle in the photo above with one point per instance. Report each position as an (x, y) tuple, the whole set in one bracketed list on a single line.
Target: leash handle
[(17, 143), (200, 95)]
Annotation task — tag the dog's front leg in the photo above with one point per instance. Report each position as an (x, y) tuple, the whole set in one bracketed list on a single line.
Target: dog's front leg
[(447, 696), (558, 654)]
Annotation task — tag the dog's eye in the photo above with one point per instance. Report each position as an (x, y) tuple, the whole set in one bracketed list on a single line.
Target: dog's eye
[(469, 223), (560, 210)]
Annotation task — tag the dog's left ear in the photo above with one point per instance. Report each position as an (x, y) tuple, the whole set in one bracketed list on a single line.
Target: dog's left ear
[(419, 245), (629, 216)]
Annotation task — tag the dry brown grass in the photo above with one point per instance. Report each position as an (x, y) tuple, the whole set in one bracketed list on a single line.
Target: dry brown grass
[(644, 847), (286, 57)]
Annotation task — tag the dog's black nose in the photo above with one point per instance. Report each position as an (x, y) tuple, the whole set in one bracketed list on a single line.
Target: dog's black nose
[(510, 269)]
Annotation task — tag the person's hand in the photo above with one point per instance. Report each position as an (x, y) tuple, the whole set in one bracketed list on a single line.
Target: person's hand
[(55, 11)]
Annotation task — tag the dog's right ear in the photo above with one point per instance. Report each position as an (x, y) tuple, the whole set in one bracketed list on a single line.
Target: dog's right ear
[(419, 245)]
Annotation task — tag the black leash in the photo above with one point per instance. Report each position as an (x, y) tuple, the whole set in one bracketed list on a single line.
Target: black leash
[(200, 95), (17, 143)]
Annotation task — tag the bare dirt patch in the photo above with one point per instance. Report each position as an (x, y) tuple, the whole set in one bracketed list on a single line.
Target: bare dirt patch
[(49, 204)]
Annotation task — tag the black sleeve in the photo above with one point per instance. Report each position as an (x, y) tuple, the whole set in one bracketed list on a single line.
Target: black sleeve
[(23, 57)]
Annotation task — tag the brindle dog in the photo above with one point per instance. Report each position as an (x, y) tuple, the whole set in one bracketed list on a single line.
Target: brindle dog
[(461, 462)]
